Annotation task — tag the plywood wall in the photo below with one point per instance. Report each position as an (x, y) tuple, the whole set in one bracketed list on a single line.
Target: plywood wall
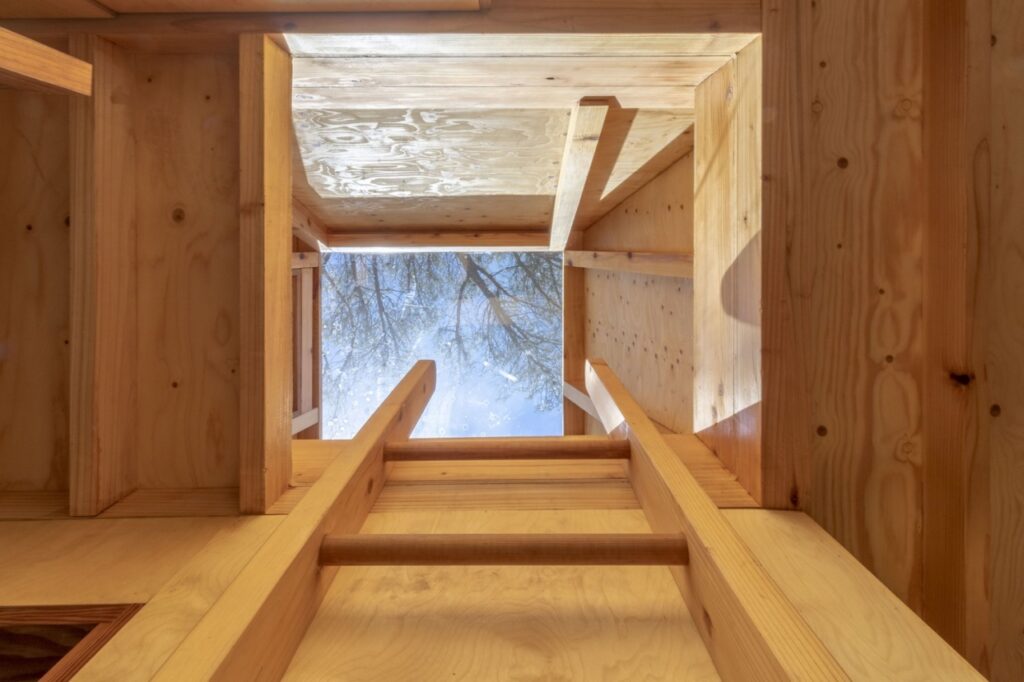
[(34, 272), (186, 126), (642, 325)]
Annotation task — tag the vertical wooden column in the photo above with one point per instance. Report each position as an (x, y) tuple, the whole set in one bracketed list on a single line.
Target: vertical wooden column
[(265, 245), (727, 276), (103, 284), (956, 416), (573, 345)]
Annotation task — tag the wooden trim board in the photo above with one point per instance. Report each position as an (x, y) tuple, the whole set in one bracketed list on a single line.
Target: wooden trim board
[(28, 65)]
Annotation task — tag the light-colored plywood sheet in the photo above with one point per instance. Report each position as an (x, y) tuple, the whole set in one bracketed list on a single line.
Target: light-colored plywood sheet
[(419, 623), (657, 218), (558, 45), (34, 298), (101, 561), (642, 326), (186, 115), (143, 645), (868, 630), (431, 153)]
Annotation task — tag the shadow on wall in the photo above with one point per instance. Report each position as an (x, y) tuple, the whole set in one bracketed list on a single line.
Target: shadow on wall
[(741, 289)]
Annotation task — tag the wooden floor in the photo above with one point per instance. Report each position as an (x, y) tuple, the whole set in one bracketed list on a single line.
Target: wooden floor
[(502, 623)]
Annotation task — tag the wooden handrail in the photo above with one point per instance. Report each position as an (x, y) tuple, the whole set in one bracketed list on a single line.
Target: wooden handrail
[(631, 549), (468, 449), (725, 588)]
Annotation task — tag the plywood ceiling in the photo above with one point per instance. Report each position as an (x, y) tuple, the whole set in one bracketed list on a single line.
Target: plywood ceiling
[(433, 139)]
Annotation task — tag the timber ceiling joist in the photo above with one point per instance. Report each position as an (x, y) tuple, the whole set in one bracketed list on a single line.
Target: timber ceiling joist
[(99, 9)]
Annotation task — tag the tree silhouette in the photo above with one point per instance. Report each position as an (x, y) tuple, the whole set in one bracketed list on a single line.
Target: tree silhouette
[(493, 317)]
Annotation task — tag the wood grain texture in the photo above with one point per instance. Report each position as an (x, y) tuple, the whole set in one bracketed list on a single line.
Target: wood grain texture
[(750, 628), (842, 304), (621, 623), (103, 340), (459, 240), (714, 478), (679, 265), (253, 630), (430, 153), (265, 247), (1003, 321), (689, 27), (54, 9), (34, 292), (574, 303), (541, 448), (497, 44), (497, 495), (505, 549), (175, 6), (144, 644), (507, 471), (84, 650), (642, 326), (871, 633), (28, 65), (33, 504), (175, 502), (586, 124), (657, 218), (185, 114), (955, 469), (727, 273), (95, 561)]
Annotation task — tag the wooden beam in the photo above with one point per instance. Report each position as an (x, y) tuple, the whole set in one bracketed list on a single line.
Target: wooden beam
[(573, 346), (253, 630), (305, 260), (585, 126), (580, 399), (341, 6), (727, 284), (304, 420), (642, 263), (307, 227), (467, 449), (751, 630), (474, 240), (265, 268), (104, 320), (54, 9), (28, 65), (505, 550)]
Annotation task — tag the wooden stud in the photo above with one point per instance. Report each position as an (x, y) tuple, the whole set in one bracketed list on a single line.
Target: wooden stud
[(585, 126), (751, 630), (465, 549), (641, 263), (466, 449), (573, 330), (103, 466), (253, 630), (265, 268), (28, 65)]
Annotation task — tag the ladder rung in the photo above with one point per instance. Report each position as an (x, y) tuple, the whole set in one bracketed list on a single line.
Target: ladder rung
[(631, 549), (568, 447)]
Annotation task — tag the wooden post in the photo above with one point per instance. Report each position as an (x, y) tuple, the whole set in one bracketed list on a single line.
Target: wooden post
[(103, 284), (573, 345), (265, 267)]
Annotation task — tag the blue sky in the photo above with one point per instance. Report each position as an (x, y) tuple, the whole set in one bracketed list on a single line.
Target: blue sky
[(478, 392)]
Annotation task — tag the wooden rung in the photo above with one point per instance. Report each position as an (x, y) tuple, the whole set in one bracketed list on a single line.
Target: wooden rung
[(505, 550), (567, 447)]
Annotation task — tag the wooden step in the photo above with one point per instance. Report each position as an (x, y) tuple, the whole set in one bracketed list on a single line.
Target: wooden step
[(519, 549), (565, 447)]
